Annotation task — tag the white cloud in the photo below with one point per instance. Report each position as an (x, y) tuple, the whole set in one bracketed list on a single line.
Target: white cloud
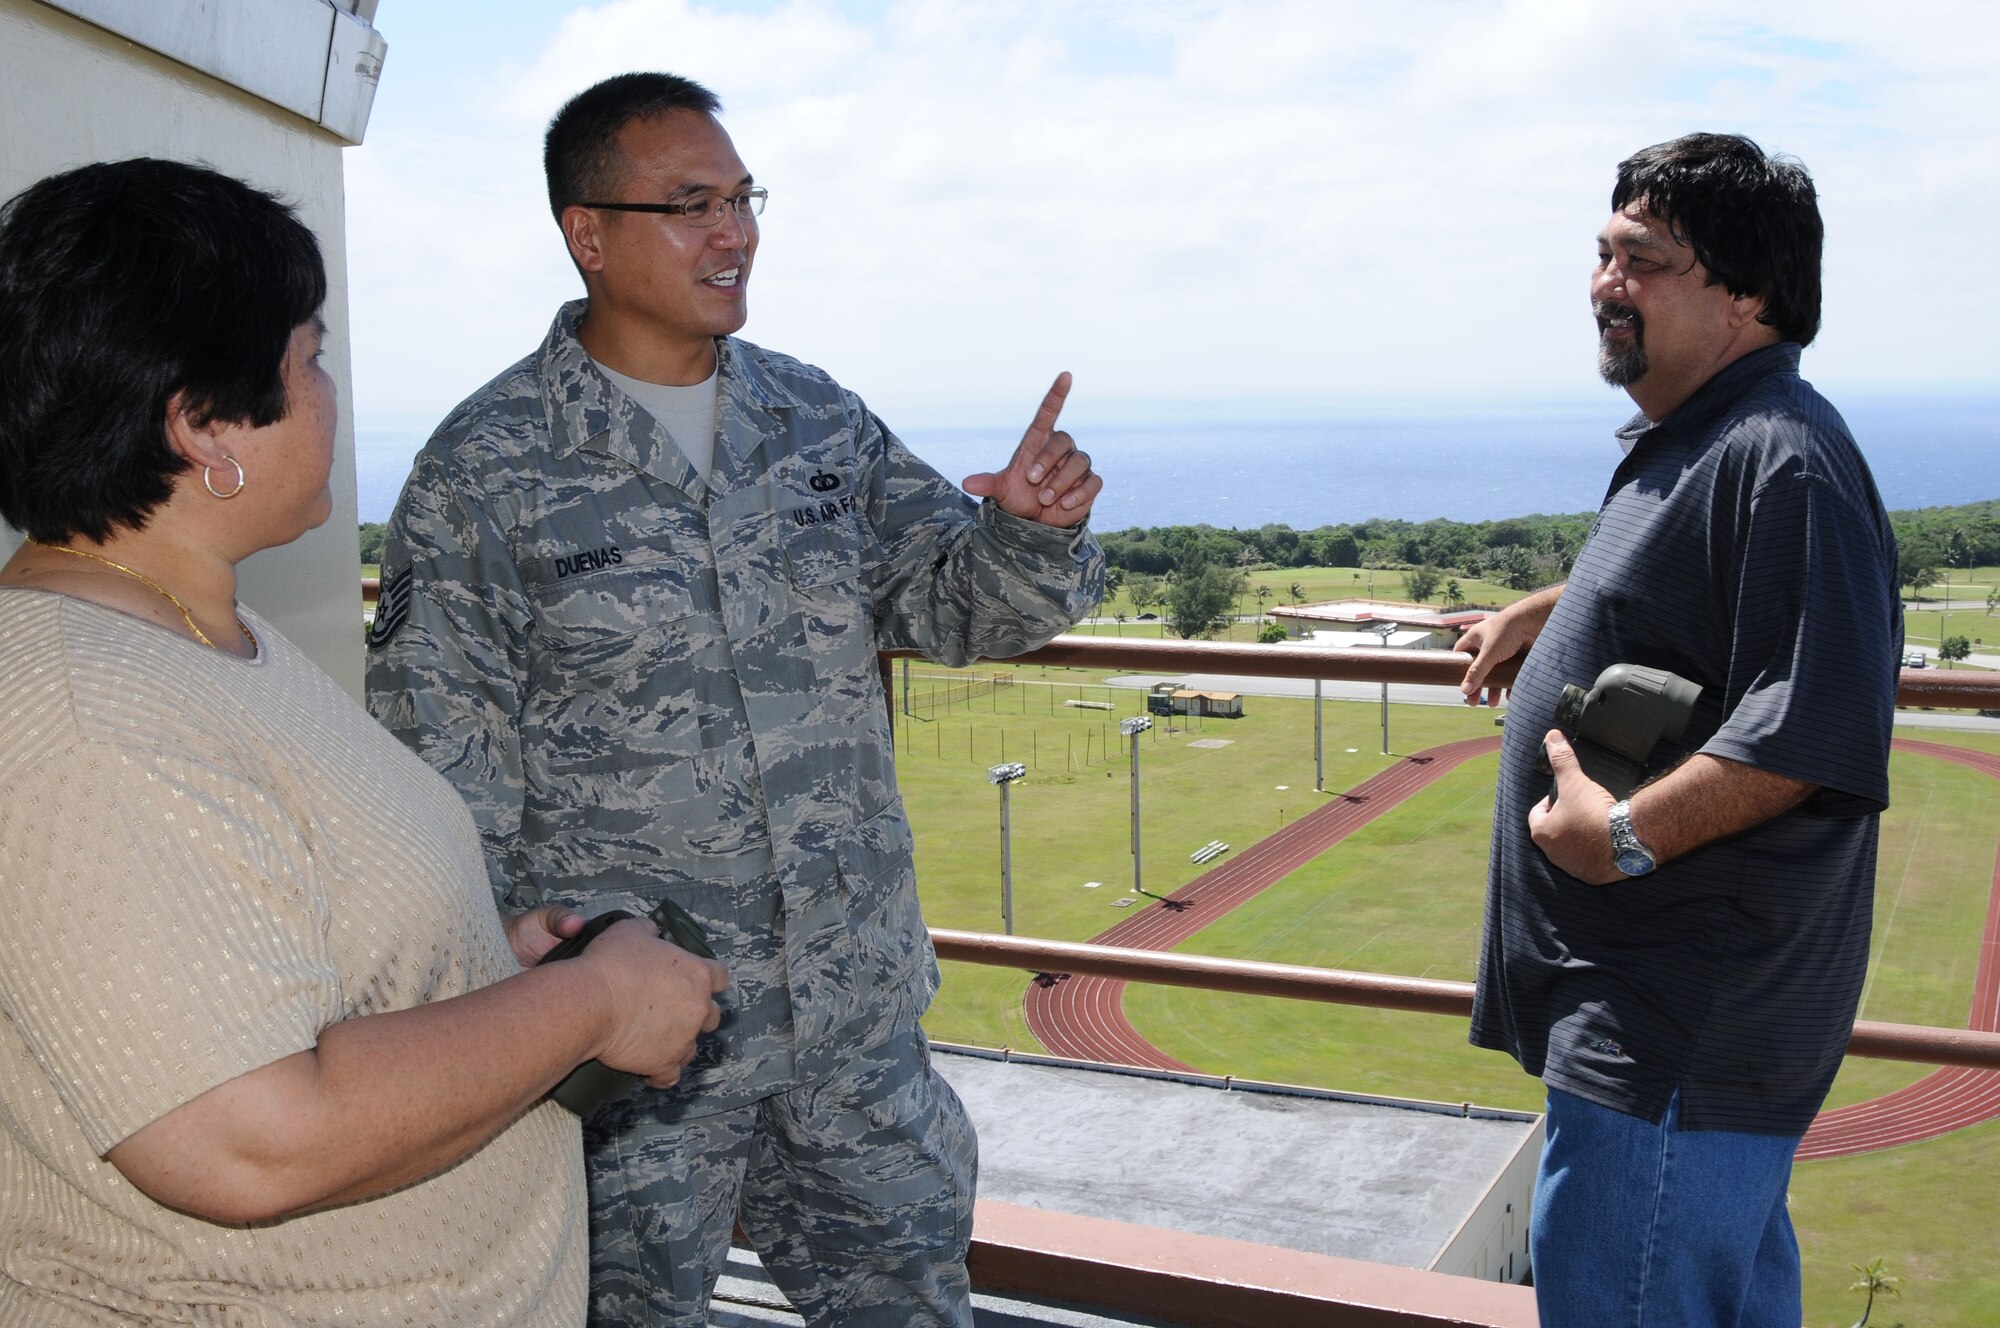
[(1312, 200)]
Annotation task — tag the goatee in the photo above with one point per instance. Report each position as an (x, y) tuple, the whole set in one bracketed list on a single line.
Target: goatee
[(1620, 368)]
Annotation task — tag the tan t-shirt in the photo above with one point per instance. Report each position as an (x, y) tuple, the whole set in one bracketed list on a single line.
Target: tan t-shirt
[(203, 863)]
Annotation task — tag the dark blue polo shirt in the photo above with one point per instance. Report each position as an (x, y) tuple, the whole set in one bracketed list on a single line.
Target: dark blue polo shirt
[(1741, 545)]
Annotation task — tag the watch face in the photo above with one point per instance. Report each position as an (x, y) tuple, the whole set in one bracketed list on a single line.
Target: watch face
[(1634, 862)]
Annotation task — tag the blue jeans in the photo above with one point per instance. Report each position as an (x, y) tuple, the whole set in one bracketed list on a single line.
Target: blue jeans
[(1652, 1226)]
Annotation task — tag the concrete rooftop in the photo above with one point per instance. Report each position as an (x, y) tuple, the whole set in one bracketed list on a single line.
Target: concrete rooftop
[(1376, 1179)]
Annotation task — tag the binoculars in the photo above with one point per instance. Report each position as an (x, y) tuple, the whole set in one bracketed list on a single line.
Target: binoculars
[(593, 1083), (1615, 725)]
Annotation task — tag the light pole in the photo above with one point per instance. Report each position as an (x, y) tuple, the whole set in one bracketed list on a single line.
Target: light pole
[(1003, 775), (1319, 757), (1385, 630), (1131, 729)]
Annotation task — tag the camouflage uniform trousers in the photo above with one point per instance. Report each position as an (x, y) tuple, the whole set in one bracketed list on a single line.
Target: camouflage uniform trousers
[(856, 1191)]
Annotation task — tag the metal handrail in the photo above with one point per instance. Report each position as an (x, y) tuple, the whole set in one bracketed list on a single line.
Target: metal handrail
[(1944, 689), (1881, 1041), (1948, 689)]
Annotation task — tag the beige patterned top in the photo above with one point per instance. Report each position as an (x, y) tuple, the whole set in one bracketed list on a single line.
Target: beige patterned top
[(203, 863)]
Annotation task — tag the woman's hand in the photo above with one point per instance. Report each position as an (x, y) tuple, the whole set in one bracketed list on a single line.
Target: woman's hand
[(660, 998)]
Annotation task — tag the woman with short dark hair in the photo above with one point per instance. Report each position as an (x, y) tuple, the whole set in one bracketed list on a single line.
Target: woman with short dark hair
[(268, 1053)]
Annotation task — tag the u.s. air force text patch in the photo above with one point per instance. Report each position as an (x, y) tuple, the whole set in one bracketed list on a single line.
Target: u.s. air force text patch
[(830, 507), (392, 606)]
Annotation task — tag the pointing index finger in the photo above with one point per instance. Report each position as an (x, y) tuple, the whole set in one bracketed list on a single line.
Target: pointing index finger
[(1044, 422)]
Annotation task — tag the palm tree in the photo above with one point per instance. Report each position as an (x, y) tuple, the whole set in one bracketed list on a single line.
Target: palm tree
[(1454, 594), (1873, 1280), (1143, 591), (1298, 593), (1263, 593)]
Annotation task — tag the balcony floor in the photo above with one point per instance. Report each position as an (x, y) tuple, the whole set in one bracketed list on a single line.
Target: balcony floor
[(745, 1298)]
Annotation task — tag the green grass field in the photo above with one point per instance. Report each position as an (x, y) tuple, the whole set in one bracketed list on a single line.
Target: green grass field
[(1924, 627), (1403, 895), (1316, 585)]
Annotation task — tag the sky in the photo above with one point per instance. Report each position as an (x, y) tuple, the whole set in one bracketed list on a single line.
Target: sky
[(1289, 206)]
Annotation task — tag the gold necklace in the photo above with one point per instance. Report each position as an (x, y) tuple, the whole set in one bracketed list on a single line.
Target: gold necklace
[(168, 595)]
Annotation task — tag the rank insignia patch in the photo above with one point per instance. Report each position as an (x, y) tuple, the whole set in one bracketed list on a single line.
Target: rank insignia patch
[(392, 607)]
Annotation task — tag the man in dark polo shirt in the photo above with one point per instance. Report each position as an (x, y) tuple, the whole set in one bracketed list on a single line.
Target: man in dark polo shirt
[(1682, 969)]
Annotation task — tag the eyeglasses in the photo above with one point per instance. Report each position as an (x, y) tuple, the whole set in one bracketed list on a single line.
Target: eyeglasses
[(703, 210)]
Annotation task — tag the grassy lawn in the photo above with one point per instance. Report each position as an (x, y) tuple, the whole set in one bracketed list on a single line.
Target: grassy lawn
[(1392, 899), (1926, 623), (1071, 816), (1924, 629), (1932, 882), (1404, 896), (1929, 1210)]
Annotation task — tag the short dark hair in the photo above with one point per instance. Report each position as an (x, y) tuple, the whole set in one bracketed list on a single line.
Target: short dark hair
[(1751, 218), (124, 285), (580, 154)]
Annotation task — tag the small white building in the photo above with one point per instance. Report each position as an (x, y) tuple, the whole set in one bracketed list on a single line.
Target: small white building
[(1356, 624)]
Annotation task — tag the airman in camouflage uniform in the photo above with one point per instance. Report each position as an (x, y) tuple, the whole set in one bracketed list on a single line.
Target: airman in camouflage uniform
[(651, 682)]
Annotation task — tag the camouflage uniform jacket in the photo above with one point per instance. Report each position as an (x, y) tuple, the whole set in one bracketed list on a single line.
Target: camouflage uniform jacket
[(649, 684)]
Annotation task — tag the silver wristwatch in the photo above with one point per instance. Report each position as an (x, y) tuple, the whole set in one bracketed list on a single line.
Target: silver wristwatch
[(1632, 857)]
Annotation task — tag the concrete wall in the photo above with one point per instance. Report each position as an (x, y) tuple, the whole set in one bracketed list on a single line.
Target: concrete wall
[(1492, 1243), (72, 93)]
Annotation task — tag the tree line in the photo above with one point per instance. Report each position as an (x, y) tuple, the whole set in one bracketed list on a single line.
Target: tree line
[(1195, 574), (1531, 550), (1931, 542)]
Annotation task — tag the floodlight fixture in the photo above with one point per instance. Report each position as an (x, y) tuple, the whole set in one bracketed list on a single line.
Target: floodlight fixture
[(1131, 728), (1004, 775), (1385, 630)]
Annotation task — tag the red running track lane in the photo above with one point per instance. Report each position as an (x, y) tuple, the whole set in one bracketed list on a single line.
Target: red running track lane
[(1084, 1017), (1947, 1099)]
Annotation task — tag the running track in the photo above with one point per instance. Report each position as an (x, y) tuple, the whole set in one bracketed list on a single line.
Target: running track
[(1949, 1098), (1083, 1017)]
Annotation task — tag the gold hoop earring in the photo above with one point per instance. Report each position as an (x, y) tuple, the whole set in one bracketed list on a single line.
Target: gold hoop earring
[(208, 479)]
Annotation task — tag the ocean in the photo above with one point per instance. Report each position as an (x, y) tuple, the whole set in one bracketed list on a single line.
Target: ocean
[(1329, 468)]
